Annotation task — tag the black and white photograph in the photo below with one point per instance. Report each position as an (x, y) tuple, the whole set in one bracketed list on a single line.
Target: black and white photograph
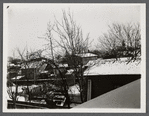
[(74, 57)]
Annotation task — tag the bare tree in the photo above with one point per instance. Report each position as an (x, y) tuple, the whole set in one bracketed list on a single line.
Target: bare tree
[(13, 89), (70, 35), (122, 38), (26, 58), (12, 92), (51, 47), (71, 41)]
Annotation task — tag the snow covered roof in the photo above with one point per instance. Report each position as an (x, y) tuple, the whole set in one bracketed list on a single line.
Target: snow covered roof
[(40, 65), (18, 77), (93, 62), (36, 64), (86, 55), (13, 65), (110, 66), (70, 71), (63, 65), (127, 96)]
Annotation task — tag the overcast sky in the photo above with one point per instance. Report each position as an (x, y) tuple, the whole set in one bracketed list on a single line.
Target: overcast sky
[(26, 22)]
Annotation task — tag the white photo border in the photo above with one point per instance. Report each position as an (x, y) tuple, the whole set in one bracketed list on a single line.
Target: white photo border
[(81, 110)]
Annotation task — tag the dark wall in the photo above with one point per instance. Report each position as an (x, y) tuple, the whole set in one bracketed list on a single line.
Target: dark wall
[(30, 73), (12, 75), (105, 83), (70, 80)]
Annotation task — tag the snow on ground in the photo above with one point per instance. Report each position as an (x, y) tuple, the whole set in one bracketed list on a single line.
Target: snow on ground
[(74, 90), (18, 77), (13, 88), (74, 94), (21, 98)]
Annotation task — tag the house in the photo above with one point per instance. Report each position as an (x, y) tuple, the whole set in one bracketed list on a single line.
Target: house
[(13, 70), (52, 69), (41, 71), (38, 66), (106, 75), (33, 68), (86, 57)]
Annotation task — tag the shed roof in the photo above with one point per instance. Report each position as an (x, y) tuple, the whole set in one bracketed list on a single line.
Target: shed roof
[(62, 65), (127, 96), (110, 66)]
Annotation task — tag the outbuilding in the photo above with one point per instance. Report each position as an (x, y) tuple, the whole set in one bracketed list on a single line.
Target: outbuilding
[(108, 74)]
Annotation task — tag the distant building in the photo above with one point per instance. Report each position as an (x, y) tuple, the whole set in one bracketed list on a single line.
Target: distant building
[(86, 57), (33, 68), (13, 70), (55, 70), (36, 70)]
